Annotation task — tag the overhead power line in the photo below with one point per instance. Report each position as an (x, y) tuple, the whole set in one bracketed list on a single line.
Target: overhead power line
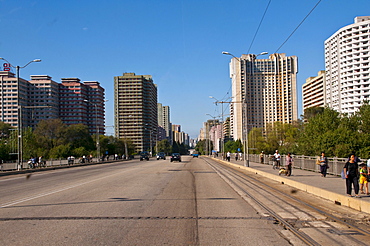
[(258, 28), (298, 26)]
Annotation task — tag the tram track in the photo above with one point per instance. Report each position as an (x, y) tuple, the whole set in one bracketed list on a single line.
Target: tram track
[(305, 221)]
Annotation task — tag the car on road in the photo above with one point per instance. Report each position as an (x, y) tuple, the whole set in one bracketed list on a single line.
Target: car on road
[(161, 155), (144, 156), (175, 157)]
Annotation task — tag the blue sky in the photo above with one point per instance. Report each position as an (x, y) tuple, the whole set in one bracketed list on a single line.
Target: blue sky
[(178, 42)]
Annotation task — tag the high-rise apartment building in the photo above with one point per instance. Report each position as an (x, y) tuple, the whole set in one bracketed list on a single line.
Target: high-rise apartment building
[(313, 91), (347, 64), (263, 91), (135, 109), (164, 120), (41, 98), (12, 97), (82, 103)]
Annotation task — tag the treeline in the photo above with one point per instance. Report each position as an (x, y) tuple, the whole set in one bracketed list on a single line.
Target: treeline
[(322, 129), (54, 139), (165, 146)]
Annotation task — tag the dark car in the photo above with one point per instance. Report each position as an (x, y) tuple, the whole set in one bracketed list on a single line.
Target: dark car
[(144, 156), (175, 157), (161, 155)]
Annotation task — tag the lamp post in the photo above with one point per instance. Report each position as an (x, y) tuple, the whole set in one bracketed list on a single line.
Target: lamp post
[(244, 113), (19, 161), (222, 120), (214, 124), (150, 138)]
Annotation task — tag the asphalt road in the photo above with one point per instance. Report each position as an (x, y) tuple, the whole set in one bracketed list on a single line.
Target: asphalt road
[(130, 203)]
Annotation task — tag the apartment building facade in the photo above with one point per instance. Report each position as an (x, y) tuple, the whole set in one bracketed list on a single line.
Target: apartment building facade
[(263, 91), (41, 98), (135, 110), (82, 103), (164, 121), (314, 92), (347, 65)]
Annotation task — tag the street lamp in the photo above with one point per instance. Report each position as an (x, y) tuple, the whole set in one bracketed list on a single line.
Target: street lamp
[(222, 119), (244, 113), (214, 124), (148, 127), (19, 162)]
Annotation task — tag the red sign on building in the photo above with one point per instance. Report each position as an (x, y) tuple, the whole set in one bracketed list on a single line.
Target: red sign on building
[(6, 67)]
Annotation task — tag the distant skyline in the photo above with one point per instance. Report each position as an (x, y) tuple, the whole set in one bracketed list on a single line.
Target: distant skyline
[(178, 43)]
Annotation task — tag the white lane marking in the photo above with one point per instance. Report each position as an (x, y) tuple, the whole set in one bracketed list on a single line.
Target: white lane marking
[(8, 204)]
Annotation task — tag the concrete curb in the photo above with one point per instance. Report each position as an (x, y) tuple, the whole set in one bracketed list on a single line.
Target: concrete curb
[(351, 202)]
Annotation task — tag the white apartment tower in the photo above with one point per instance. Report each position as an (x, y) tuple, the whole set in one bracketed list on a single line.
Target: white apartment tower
[(347, 66), (263, 91)]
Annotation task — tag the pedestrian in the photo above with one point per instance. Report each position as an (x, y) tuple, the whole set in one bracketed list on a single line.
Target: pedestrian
[(277, 160), (228, 156), (236, 156), (368, 168), (261, 157), (288, 164), (351, 173), (240, 156), (323, 162), (363, 179), (356, 157)]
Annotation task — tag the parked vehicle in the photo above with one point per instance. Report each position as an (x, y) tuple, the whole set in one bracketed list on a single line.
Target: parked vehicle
[(175, 157), (161, 155)]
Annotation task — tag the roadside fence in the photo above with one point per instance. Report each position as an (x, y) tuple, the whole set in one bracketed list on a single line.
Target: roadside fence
[(305, 162)]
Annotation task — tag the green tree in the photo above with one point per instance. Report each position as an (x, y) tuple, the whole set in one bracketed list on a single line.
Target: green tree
[(362, 118), (63, 151), (320, 134), (78, 136), (312, 112), (201, 147), (50, 133), (164, 146), (5, 130)]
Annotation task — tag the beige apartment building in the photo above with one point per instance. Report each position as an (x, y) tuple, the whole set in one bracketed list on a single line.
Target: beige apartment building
[(263, 91), (314, 92), (135, 110)]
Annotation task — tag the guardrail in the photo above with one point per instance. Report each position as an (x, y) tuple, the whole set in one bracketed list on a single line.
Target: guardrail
[(305, 162), (12, 166)]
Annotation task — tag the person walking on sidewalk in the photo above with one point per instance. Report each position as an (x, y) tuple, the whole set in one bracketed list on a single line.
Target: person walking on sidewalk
[(351, 173), (288, 164), (363, 179), (277, 160), (261, 157), (323, 162)]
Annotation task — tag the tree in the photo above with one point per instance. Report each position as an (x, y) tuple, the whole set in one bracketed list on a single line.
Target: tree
[(312, 112), (320, 133), (78, 136), (5, 130), (201, 147), (50, 133), (164, 146)]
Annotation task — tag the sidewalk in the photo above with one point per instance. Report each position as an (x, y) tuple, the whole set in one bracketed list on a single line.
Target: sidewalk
[(331, 187)]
